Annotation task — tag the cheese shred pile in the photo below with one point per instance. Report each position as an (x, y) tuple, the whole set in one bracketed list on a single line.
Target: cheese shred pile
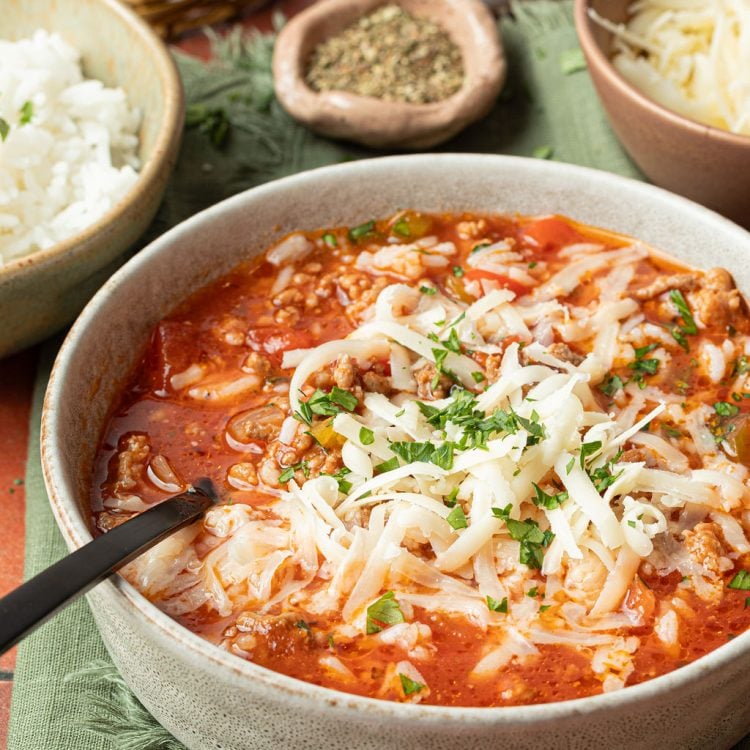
[(692, 57)]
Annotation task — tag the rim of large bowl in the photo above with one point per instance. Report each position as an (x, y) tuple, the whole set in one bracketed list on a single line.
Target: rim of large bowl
[(76, 531), (151, 169), (597, 57)]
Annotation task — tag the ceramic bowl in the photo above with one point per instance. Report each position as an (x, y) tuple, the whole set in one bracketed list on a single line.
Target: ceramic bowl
[(43, 291), (706, 164), (211, 699), (375, 122)]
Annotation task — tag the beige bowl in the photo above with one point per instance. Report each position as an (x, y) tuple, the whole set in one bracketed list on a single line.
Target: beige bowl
[(43, 291), (375, 122), (209, 698), (706, 164)]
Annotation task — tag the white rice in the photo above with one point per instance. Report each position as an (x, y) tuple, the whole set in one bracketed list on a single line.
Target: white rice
[(75, 158)]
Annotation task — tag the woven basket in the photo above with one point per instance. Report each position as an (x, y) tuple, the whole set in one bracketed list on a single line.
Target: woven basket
[(170, 18)]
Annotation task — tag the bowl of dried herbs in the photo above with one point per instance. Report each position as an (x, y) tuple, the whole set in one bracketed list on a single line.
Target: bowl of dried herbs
[(406, 74)]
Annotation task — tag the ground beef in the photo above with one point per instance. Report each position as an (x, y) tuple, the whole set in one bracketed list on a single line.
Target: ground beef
[(425, 377), (565, 353), (717, 301), (682, 281)]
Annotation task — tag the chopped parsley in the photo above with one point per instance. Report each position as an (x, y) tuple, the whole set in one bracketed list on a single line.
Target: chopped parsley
[(428, 290), (402, 227), (725, 409), (326, 404), (533, 540), (26, 112), (602, 477), (450, 498), (495, 605), (457, 518), (741, 581), (544, 500), (589, 449), (478, 377), (389, 465), (363, 230), (741, 365), (330, 240), (458, 272), (643, 365), (611, 384), (532, 592), (4, 129), (302, 625), (383, 611), (288, 474), (688, 327), (411, 451), (478, 247), (366, 436), (344, 484), (408, 685)]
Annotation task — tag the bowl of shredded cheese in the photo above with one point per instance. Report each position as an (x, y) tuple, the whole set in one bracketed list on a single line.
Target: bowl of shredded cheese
[(674, 78), (90, 124)]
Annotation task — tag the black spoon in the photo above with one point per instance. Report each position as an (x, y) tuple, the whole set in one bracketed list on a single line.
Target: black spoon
[(33, 603)]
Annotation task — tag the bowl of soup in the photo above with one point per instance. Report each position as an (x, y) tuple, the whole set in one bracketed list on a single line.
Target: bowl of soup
[(480, 443)]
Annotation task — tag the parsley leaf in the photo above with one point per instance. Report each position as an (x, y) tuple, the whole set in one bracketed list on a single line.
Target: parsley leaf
[(548, 501), (402, 227), (458, 272), (383, 611), (26, 112), (330, 239), (408, 685), (288, 474), (428, 290), (740, 581), (588, 449), (611, 384), (330, 404), (358, 232), (4, 129), (389, 465), (725, 409), (533, 540), (366, 436), (497, 606), (688, 322), (457, 518)]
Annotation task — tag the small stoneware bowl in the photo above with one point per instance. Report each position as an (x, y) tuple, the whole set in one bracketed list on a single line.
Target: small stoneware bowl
[(43, 291), (706, 164), (209, 698), (377, 122)]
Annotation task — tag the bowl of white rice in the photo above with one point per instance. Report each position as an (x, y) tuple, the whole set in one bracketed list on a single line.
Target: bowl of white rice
[(91, 113)]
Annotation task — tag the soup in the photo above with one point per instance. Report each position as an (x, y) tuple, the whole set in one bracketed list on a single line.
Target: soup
[(463, 460)]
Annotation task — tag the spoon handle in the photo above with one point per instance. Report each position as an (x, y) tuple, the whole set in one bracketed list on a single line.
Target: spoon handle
[(34, 602)]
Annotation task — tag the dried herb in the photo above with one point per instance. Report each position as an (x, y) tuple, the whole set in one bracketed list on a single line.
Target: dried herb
[(389, 54)]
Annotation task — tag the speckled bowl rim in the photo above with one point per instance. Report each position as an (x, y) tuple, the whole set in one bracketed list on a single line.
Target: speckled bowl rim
[(302, 694), (636, 97), (148, 175)]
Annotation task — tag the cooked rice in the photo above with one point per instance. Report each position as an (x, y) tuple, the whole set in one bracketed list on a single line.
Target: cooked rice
[(70, 148)]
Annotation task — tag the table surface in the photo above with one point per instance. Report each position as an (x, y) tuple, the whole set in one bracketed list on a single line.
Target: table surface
[(16, 383)]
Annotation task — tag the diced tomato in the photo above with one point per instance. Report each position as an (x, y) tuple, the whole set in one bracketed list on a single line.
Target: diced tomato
[(514, 286), (551, 233)]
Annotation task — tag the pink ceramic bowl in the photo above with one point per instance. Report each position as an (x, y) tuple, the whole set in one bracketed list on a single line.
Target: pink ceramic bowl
[(708, 165)]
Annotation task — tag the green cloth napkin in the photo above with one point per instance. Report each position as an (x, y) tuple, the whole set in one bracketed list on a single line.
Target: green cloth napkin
[(67, 695)]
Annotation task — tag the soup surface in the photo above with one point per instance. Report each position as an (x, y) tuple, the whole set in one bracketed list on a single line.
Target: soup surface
[(463, 460)]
